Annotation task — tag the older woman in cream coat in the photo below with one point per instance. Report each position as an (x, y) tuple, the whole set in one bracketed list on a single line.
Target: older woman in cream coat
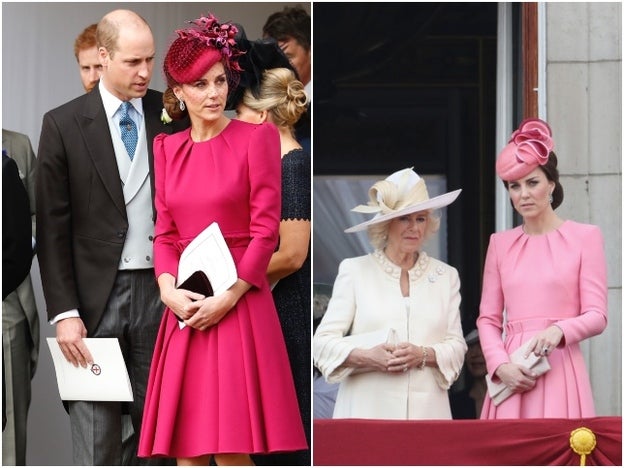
[(392, 332)]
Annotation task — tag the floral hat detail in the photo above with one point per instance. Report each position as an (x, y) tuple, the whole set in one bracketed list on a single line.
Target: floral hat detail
[(198, 48), (401, 193), (528, 147)]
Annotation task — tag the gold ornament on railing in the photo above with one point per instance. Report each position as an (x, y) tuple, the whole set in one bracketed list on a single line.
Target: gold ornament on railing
[(582, 441)]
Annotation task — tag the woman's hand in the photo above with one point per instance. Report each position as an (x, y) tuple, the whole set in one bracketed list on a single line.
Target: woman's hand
[(518, 378), (545, 341), (205, 313), (176, 299), (373, 359), (208, 312), (405, 355)]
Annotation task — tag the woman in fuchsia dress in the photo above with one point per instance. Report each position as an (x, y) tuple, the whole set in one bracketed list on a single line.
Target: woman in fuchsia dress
[(221, 386), (549, 276)]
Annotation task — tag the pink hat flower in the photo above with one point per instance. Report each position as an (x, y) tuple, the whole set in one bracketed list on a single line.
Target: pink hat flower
[(528, 147)]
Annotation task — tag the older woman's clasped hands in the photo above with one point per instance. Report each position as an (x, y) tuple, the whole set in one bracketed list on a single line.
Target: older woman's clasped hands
[(385, 358), (405, 356)]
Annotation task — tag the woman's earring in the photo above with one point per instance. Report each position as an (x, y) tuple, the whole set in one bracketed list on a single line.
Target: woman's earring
[(550, 198), (182, 105)]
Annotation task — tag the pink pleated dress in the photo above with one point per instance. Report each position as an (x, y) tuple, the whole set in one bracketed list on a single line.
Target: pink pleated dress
[(554, 278), (227, 389)]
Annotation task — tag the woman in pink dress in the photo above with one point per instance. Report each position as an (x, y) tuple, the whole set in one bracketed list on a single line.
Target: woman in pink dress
[(221, 386), (549, 275)]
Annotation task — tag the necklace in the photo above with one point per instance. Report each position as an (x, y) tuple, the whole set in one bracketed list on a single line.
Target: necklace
[(392, 269), (407, 263)]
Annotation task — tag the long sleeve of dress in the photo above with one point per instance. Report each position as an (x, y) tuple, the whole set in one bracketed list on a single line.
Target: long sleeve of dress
[(592, 318), (166, 254), (490, 321), (265, 175)]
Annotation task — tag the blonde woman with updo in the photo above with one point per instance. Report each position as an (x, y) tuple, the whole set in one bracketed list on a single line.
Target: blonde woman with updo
[(391, 335), (281, 100)]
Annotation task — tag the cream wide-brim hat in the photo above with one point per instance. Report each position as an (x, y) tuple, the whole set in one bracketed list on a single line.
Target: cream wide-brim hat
[(406, 183)]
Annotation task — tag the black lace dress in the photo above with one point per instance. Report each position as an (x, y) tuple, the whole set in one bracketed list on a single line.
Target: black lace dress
[(293, 300)]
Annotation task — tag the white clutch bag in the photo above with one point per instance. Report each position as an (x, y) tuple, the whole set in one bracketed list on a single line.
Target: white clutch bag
[(371, 339), (499, 392)]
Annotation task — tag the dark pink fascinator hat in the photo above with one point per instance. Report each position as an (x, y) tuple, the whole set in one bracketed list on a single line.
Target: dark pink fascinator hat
[(197, 48), (528, 147)]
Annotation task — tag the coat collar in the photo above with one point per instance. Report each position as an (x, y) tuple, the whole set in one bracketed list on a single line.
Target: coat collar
[(425, 265)]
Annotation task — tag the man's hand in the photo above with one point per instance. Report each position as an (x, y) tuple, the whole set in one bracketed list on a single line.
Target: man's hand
[(69, 335)]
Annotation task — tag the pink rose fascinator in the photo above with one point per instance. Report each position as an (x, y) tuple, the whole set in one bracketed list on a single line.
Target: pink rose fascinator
[(528, 147)]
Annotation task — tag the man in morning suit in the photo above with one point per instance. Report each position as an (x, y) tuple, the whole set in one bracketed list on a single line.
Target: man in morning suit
[(20, 319), (95, 225)]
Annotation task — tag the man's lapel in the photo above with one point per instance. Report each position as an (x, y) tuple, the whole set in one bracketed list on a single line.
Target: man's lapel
[(94, 126)]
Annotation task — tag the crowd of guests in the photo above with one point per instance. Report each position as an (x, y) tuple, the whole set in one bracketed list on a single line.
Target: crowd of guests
[(128, 176)]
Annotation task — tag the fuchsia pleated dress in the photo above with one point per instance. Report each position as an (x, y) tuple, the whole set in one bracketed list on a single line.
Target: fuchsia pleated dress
[(555, 278), (228, 389)]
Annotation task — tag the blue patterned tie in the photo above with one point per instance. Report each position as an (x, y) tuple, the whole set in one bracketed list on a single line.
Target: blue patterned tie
[(129, 134)]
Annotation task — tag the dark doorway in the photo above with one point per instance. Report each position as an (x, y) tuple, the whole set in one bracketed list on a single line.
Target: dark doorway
[(413, 84)]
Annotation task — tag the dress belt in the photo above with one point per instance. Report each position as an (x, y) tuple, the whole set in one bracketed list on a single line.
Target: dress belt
[(237, 241), (519, 326)]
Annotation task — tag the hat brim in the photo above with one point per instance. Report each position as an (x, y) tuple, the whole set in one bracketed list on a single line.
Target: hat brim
[(433, 203)]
